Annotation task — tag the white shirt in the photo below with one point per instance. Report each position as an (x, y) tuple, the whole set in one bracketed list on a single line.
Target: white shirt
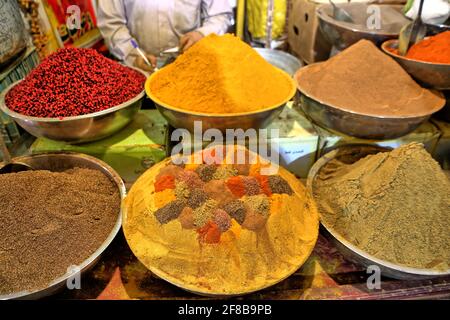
[(157, 25)]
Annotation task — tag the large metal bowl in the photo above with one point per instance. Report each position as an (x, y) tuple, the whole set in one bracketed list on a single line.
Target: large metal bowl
[(343, 34), (359, 125), (350, 154), (180, 118), (63, 161), (78, 129), (433, 75)]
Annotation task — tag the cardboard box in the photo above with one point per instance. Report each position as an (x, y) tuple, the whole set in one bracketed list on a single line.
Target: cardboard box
[(304, 37), (130, 152)]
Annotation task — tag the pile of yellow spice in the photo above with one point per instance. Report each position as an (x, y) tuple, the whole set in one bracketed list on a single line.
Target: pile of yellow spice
[(221, 75)]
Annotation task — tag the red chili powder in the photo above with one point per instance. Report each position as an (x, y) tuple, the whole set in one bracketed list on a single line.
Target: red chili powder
[(73, 82), (164, 182), (433, 49), (236, 186), (264, 184), (209, 233)]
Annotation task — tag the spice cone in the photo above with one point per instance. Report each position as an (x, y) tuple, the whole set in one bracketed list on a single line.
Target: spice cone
[(220, 75), (242, 261)]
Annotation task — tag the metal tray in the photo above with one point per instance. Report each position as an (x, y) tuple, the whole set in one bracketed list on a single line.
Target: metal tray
[(63, 161), (350, 154)]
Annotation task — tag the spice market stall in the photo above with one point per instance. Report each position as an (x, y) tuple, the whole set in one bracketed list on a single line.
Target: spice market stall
[(350, 182)]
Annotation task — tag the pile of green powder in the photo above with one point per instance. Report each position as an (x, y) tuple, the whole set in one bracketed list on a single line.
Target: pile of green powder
[(393, 205)]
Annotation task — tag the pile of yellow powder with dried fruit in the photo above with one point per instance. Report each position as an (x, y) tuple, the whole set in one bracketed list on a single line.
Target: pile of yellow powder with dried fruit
[(221, 75), (393, 205), (218, 227)]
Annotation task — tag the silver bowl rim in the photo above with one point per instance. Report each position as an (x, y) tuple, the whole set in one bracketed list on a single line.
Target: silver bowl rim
[(393, 43), (310, 187), (22, 117), (320, 11), (342, 109), (220, 115), (106, 243)]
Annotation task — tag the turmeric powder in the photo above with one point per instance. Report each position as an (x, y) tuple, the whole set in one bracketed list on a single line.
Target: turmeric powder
[(221, 74)]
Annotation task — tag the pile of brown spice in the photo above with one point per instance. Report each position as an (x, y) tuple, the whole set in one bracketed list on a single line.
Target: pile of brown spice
[(393, 205), (50, 221), (364, 80)]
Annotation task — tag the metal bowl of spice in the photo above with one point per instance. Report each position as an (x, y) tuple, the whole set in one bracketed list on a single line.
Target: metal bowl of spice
[(359, 125), (434, 75), (76, 96), (251, 120), (405, 247), (78, 129), (63, 233), (179, 118), (223, 83), (348, 95)]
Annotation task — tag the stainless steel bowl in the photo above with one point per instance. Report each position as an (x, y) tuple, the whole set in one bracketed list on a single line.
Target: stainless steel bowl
[(359, 125), (63, 161), (280, 59), (179, 118), (433, 75), (343, 34), (350, 154), (433, 29), (78, 129)]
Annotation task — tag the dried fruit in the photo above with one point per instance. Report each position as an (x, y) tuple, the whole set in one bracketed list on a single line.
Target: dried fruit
[(73, 82)]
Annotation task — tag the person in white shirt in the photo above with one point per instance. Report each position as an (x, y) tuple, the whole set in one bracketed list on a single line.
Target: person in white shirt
[(158, 25)]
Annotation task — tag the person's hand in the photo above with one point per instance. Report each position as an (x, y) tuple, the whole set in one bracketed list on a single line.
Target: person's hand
[(141, 64), (189, 39)]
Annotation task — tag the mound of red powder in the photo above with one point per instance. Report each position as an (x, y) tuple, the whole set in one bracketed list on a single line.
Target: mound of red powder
[(73, 82)]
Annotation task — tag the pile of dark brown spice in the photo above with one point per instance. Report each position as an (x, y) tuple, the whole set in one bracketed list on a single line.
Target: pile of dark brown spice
[(50, 221)]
